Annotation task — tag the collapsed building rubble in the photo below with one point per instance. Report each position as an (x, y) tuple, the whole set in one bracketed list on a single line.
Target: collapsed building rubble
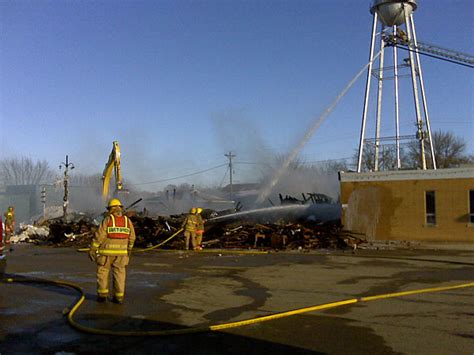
[(283, 235), (29, 233), (246, 233), (310, 197)]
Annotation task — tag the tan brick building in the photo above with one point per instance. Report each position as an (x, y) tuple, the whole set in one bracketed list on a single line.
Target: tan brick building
[(422, 205)]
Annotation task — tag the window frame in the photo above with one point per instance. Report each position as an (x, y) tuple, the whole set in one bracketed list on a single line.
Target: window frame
[(470, 206), (430, 217)]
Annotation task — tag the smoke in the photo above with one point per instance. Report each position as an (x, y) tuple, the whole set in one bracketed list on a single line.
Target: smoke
[(299, 178), (307, 135), (294, 182), (237, 134)]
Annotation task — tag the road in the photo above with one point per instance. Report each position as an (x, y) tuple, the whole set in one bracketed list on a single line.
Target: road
[(177, 290)]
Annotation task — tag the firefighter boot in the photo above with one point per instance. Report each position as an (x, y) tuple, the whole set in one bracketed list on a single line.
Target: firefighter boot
[(118, 300), (101, 298)]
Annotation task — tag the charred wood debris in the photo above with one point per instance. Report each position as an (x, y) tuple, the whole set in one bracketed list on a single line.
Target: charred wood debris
[(300, 234)]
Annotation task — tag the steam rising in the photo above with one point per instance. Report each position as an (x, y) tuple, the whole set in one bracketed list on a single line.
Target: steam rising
[(309, 133), (237, 134)]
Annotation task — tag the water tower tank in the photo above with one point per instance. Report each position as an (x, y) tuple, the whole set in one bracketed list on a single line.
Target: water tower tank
[(390, 12)]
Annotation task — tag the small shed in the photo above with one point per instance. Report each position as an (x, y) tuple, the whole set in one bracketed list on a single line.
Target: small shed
[(418, 205)]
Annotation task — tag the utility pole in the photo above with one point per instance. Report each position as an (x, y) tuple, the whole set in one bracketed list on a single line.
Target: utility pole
[(66, 165), (43, 200), (230, 156)]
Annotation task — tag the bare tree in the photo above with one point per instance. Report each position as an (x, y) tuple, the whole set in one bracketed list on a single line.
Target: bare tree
[(368, 162), (84, 180), (387, 157), (333, 167), (450, 151), (24, 171)]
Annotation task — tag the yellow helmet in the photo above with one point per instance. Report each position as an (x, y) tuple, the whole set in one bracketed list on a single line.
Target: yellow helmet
[(198, 210), (192, 210), (115, 202), (10, 209)]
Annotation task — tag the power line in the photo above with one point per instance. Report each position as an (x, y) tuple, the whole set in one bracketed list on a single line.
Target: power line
[(303, 162), (225, 174), (201, 172), (180, 177), (251, 163)]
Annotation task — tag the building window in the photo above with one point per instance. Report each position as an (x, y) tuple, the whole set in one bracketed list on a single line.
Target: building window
[(430, 207), (471, 206)]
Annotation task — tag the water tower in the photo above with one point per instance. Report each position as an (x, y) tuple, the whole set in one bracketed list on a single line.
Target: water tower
[(395, 20)]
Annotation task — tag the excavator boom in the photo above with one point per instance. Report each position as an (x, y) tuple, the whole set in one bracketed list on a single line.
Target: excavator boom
[(113, 164)]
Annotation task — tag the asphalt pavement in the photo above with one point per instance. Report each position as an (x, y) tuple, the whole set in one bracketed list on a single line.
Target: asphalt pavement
[(185, 290)]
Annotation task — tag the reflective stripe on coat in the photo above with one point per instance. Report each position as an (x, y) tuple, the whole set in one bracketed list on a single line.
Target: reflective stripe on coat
[(115, 236)]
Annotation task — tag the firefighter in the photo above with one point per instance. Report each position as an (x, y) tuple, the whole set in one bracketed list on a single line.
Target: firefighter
[(9, 226), (110, 250), (189, 225), (199, 229), (402, 35)]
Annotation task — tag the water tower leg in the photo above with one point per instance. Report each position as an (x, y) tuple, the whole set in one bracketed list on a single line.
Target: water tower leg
[(423, 96), (379, 104), (397, 109), (367, 92), (419, 121)]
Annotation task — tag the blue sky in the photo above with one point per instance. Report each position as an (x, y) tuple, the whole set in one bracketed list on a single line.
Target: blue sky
[(180, 83)]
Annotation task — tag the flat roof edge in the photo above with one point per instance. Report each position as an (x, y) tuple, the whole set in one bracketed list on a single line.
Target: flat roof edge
[(398, 175)]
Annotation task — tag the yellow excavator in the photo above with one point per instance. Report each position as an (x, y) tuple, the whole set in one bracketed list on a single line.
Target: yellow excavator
[(112, 164)]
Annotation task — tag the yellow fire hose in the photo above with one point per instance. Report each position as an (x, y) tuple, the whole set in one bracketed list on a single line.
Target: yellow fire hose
[(179, 231), (162, 243), (217, 327), (153, 247)]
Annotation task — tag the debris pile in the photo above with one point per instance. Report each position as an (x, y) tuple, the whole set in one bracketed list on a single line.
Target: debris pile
[(77, 230), (71, 234), (308, 198), (302, 234), (30, 234), (151, 231)]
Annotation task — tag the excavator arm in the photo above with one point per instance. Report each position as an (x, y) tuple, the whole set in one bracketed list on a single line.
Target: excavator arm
[(113, 164)]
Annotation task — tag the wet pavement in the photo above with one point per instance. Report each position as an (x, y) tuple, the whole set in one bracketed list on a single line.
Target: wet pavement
[(177, 290)]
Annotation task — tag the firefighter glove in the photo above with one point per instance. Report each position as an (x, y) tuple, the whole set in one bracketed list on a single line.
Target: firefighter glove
[(93, 254)]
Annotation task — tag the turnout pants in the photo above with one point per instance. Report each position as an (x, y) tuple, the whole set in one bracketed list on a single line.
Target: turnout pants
[(8, 234), (199, 234), (118, 266), (187, 236)]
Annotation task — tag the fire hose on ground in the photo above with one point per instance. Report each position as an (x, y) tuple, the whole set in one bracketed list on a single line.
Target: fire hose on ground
[(147, 249), (217, 327), (177, 233)]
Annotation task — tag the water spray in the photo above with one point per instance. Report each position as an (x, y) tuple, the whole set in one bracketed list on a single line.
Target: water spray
[(312, 129)]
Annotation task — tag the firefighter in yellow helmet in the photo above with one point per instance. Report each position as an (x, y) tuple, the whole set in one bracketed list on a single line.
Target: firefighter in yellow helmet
[(189, 225), (110, 250), (9, 226), (199, 229)]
